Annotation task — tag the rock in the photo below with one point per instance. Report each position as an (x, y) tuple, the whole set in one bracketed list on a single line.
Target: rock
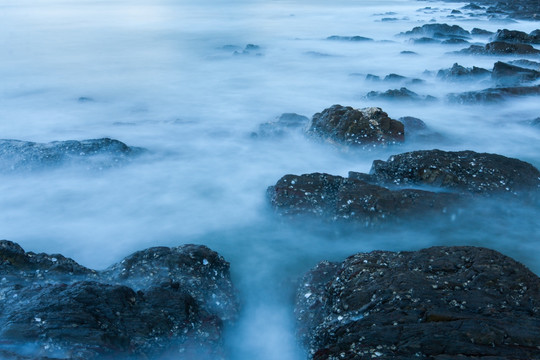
[(418, 131), (425, 40), (456, 12), (155, 303), (534, 65), (472, 6), (413, 124), (407, 52), (461, 73), (514, 36), (511, 75), (438, 31), (95, 153), (439, 303), (344, 125), (371, 77), (494, 94), (481, 32), (458, 171), (398, 94), (454, 42), (283, 125), (500, 48), (336, 198), (348, 38), (394, 78), (249, 49)]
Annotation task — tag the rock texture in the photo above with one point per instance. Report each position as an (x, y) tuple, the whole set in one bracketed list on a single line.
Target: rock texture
[(283, 125), (157, 303), (500, 48), (511, 75), (461, 171), (514, 36), (94, 153), (401, 94), (492, 95), (438, 31), (461, 73), (441, 303), (344, 125)]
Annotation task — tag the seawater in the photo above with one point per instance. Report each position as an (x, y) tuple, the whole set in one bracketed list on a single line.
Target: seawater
[(163, 75)]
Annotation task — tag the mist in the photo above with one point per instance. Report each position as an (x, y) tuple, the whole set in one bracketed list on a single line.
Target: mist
[(164, 75)]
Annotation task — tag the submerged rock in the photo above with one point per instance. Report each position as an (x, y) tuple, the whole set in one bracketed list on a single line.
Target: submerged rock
[(437, 303), (438, 31), (95, 153), (402, 94), (481, 32), (500, 48), (514, 36), (348, 38), (351, 199), (154, 304), (529, 64), (460, 171), (418, 131), (344, 125), (283, 125), (510, 75), (494, 94), (461, 73)]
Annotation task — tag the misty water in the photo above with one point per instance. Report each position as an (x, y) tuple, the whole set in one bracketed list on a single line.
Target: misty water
[(163, 75)]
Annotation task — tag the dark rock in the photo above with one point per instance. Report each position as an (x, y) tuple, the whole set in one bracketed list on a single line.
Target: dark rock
[(417, 131), (425, 40), (494, 94), (95, 153), (398, 94), (155, 303), (454, 42), (348, 38), (439, 31), (500, 48), (336, 198), (481, 32), (284, 124), (456, 12), (371, 77), (510, 75), (514, 36), (389, 19), (472, 6), (394, 78), (438, 303), (413, 124), (535, 122), (249, 49), (407, 52), (534, 65), (460, 73), (356, 127), (461, 171)]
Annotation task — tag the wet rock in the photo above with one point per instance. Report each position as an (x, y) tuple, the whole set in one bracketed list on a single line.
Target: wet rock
[(514, 36), (348, 38), (249, 49), (95, 153), (344, 125), (371, 77), (437, 303), (283, 125), (418, 131), (493, 95), (481, 32), (454, 42), (472, 6), (425, 40), (534, 65), (155, 303), (510, 75), (398, 94), (500, 48), (336, 198), (461, 73), (437, 31), (459, 171)]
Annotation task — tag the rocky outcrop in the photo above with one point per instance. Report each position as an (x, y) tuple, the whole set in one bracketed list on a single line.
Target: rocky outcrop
[(418, 131), (153, 304), (283, 125), (344, 125), (402, 94), (95, 153), (438, 31), (529, 64), (459, 171), (514, 36), (337, 198), (496, 94), (348, 38), (461, 73), (500, 48), (504, 74), (444, 303)]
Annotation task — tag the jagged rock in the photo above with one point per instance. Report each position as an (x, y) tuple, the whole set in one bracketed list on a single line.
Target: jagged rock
[(534, 65), (472, 6), (356, 127), (511, 75), (438, 31), (398, 94), (418, 131), (461, 73), (514, 36), (284, 124), (95, 153), (460, 171), (425, 40), (454, 42), (481, 32), (438, 303), (155, 303), (348, 38), (350, 199), (494, 94), (500, 48)]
